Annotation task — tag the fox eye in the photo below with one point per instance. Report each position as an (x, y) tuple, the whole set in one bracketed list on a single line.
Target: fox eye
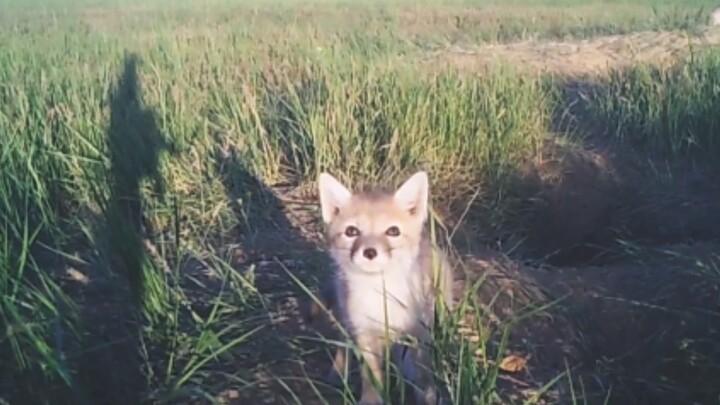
[(351, 231), (393, 231)]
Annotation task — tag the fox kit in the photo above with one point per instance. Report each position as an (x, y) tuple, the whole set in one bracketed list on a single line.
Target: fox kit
[(385, 280)]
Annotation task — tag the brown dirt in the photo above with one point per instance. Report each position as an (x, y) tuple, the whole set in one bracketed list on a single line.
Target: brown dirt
[(616, 315), (577, 193), (642, 326)]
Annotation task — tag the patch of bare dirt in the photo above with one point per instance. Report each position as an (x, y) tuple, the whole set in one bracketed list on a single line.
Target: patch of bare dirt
[(577, 58), (644, 327), (575, 192), (289, 363), (586, 202)]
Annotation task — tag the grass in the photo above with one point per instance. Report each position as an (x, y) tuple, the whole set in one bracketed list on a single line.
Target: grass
[(138, 141), (669, 110)]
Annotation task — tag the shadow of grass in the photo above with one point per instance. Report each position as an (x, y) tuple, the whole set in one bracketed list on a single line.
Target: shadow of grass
[(270, 237)]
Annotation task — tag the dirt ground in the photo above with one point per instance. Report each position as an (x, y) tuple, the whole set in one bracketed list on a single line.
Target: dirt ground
[(578, 58), (630, 312), (614, 319)]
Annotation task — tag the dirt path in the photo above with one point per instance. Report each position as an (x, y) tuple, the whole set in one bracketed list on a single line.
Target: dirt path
[(577, 57)]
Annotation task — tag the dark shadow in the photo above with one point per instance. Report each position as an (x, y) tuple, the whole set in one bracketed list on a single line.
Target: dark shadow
[(642, 327), (273, 234), (105, 361), (583, 197), (616, 230), (637, 222), (111, 365), (623, 228)]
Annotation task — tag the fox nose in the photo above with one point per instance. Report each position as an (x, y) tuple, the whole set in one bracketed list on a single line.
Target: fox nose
[(370, 253)]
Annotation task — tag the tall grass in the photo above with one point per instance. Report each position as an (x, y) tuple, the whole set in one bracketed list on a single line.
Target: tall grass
[(396, 25), (290, 125), (34, 312), (673, 111)]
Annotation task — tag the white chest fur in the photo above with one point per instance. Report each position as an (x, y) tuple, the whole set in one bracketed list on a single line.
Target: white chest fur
[(395, 300)]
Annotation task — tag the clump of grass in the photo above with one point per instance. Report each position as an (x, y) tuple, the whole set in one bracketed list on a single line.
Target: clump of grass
[(370, 123), (36, 319), (35, 316), (671, 110)]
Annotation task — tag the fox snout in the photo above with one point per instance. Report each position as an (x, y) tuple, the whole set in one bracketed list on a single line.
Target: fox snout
[(369, 253), (374, 250), (369, 249)]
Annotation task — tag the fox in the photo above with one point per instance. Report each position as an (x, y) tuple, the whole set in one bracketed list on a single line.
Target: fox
[(385, 282)]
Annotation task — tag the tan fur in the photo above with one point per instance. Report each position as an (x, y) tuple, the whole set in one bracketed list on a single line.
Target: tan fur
[(383, 271)]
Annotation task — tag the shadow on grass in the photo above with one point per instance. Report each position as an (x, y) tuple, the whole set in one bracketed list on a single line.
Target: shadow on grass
[(112, 367), (135, 145), (269, 237)]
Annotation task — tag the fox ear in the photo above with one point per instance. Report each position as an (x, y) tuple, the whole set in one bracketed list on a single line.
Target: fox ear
[(333, 196), (413, 195)]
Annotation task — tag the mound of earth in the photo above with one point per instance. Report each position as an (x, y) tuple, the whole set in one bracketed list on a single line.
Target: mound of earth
[(577, 58)]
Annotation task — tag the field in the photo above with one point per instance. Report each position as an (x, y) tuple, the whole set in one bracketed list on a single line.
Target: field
[(159, 223)]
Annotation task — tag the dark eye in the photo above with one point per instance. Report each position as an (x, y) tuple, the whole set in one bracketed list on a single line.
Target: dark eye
[(351, 231), (393, 231)]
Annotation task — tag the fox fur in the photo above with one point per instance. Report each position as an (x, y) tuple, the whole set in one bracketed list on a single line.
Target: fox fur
[(385, 281)]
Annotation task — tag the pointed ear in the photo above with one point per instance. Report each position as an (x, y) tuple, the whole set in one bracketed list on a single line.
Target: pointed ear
[(413, 195), (333, 196)]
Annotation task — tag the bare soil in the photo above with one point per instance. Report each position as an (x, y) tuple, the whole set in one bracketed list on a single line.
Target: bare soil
[(577, 58), (618, 325)]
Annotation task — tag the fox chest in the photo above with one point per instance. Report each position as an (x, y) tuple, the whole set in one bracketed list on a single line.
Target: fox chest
[(374, 305)]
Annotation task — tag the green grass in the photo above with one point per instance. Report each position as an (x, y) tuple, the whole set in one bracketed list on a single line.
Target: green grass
[(395, 25), (672, 111), (225, 100)]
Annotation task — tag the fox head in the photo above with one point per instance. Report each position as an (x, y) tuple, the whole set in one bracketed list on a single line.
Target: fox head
[(374, 232)]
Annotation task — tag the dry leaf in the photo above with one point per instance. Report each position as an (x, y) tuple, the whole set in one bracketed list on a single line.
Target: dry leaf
[(513, 363), (75, 275)]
